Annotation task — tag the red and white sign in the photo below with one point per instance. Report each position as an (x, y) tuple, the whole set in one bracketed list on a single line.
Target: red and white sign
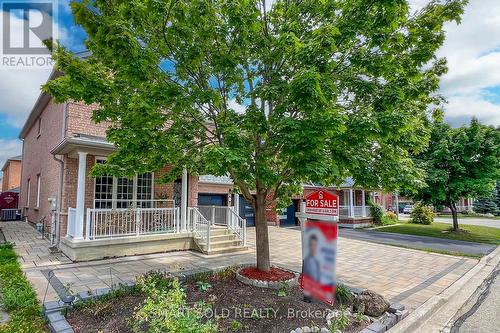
[(322, 202), (319, 255)]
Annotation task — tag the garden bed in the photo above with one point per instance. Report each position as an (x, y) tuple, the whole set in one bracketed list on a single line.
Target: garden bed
[(219, 301)]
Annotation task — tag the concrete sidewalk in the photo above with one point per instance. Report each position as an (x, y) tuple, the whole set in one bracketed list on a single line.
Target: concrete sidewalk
[(407, 276)]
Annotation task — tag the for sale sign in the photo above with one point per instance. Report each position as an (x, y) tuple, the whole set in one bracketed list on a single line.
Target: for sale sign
[(322, 202), (319, 252)]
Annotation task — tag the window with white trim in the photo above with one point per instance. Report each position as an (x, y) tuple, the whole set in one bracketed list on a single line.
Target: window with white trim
[(29, 194), (38, 185), (122, 192)]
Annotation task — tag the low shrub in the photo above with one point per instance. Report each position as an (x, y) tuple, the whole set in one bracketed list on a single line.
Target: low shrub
[(165, 309), (376, 213), (422, 214), (343, 295), (391, 216)]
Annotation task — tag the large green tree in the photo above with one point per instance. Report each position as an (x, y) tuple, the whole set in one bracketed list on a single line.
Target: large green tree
[(459, 163), (273, 95)]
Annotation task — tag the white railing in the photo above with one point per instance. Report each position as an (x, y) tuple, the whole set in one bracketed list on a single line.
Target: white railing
[(200, 225), (70, 230), (359, 211), (111, 223), (215, 214), (237, 225), (130, 203)]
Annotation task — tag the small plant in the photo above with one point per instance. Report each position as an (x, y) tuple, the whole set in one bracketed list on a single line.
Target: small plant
[(376, 213), (339, 321), (343, 295), (203, 286), (236, 325), (283, 289), (422, 214), (360, 313), (391, 215)]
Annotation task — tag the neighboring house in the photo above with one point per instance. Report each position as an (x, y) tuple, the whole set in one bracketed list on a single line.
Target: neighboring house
[(91, 218), (11, 174), (354, 201)]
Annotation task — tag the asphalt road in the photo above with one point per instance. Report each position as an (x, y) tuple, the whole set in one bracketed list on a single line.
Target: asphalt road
[(484, 313), (418, 242), (480, 221)]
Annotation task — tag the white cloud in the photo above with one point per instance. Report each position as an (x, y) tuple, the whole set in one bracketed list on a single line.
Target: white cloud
[(9, 148), (473, 53)]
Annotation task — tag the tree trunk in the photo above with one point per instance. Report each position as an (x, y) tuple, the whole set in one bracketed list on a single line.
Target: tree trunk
[(262, 236), (453, 209)]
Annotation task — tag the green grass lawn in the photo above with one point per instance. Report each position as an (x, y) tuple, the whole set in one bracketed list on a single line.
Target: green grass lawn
[(468, 216), (470, 233), (18, 297)]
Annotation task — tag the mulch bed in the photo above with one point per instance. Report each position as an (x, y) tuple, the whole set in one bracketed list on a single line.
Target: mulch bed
[(254, 309), (275, 274)]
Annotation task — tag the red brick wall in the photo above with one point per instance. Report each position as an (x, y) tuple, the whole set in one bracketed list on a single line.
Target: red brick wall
[(11, 175), (37, 159), (79, 121)]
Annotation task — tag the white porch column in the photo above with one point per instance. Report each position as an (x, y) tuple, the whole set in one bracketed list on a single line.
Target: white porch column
[(80, 195), (351, 202), (184, 199), (363, 204)]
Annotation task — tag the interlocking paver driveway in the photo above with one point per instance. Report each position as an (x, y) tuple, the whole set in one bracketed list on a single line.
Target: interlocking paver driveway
[(408, 276)]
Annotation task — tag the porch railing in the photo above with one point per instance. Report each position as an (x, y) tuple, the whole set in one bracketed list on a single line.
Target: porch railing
[(237, 225), (112, 223), (200, 225), (10, 214), (215, 214), (359, 211), (130, 203), (71, 222)]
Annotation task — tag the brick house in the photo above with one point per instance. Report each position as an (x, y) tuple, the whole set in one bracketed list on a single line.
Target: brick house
[(91, 218), (11, 174)]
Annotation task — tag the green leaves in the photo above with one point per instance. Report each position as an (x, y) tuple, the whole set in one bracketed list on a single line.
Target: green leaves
[(328, 88)]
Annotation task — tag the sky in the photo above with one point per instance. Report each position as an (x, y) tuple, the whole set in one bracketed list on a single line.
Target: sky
[(471, 86)]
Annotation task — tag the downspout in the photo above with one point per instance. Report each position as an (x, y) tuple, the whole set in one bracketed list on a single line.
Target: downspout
[(61, 178)]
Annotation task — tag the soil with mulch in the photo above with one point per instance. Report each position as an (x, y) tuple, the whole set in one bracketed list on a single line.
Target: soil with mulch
[(274, 274), (236, 307)]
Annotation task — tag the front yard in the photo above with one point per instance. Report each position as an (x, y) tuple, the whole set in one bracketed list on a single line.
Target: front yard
[(470, 233), (208, 303)]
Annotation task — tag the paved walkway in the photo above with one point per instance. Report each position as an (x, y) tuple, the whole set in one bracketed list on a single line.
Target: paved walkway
[(408, 276), (419, 242)]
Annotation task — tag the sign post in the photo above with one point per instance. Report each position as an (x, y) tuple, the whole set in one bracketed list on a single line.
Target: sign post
[(318, 217)]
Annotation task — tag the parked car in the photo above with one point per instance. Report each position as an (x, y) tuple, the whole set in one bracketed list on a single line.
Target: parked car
[(407, 209)]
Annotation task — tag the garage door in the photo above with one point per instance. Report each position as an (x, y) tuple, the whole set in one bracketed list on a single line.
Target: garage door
[(246, 212), (287, 217), (212, 199)]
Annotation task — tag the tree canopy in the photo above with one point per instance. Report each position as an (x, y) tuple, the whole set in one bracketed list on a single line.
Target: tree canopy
[(272, 93), (459, 163)]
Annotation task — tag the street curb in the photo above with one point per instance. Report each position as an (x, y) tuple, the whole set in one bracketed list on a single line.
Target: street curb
[(436, 312)]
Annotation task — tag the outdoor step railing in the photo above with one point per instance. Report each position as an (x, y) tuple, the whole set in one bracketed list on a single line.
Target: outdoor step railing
[(112, 223), (237, 225), (200, 225), (215, 214)]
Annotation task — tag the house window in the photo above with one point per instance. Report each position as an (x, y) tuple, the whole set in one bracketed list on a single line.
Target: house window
[(29, 193), (144, 190), (121, 192), (38, 183)]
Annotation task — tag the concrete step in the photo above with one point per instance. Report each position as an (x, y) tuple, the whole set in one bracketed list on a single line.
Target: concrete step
[(220, 244), (217, 238), (225, 250)]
